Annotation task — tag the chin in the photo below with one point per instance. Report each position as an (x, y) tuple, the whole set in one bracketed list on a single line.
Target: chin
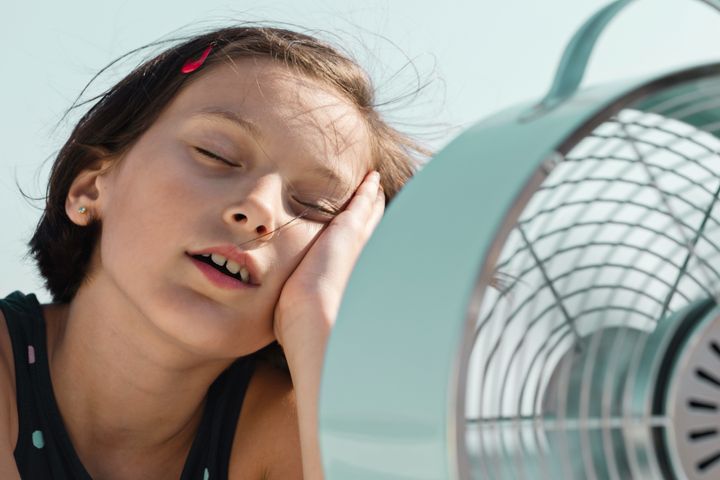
[(209, 327)]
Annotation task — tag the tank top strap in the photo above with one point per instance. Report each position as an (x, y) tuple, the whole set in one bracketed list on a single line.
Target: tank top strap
[(43, 449), (210, 453), (22, 326)]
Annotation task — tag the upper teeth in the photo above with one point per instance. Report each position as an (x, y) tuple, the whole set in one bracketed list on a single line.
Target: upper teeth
[(231, 266), (245, 275), (234, 267)]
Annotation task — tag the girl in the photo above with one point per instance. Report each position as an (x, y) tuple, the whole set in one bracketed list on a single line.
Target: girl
[(201, 223)]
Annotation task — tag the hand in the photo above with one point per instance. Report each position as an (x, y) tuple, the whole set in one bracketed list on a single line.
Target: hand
[(309, 302), (310, 298)]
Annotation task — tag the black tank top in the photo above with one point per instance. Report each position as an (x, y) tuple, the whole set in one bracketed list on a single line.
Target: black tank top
[(44, 450)]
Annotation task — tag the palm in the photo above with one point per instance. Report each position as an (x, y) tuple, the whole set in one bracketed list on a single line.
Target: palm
[(311, 296)]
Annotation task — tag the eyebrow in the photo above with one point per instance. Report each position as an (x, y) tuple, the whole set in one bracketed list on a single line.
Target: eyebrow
[(233, 117), (328, 174)]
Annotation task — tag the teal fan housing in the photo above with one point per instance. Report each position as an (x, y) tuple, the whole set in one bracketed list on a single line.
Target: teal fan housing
[(541, 300)]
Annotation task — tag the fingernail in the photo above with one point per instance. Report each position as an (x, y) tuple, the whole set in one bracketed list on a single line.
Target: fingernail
[(375, 175)]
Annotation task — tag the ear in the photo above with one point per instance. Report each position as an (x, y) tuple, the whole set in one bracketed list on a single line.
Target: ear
[(84, 198)]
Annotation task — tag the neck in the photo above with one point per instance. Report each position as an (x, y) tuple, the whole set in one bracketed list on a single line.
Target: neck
[(120, 383)]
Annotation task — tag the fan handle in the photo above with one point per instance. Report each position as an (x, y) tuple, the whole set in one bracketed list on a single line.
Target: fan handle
[(574, 61)]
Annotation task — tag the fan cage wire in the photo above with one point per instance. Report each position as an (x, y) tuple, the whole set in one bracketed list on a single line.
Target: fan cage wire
[(516, 442)]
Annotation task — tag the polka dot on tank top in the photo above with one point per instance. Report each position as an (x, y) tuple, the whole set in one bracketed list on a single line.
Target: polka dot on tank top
[(37, 439), (31, 354)]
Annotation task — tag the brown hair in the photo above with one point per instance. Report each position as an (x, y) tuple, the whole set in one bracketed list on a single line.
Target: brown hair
[(124, 112)]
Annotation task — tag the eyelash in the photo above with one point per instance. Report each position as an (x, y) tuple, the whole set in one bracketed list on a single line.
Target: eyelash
[(215, 156), (322, 210)]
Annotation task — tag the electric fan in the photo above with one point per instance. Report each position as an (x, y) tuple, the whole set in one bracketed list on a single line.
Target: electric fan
[(541, 301)]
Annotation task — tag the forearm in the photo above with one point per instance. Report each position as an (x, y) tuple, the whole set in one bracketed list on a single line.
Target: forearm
[(309, 303), (306, 369)]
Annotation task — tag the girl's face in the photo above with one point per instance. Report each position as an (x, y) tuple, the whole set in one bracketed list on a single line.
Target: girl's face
[(249, 161)]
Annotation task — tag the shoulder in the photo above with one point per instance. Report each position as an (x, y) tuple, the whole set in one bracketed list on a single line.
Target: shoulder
[(267, 437)]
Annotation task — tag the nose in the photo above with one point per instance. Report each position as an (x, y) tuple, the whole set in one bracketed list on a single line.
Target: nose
[(255, 213)]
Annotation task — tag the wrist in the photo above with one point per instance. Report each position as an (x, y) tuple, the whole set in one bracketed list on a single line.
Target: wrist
[(306, 353), (296, 329)]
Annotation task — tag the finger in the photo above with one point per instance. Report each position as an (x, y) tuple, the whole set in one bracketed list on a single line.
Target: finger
[(362, 202), (378, 210)]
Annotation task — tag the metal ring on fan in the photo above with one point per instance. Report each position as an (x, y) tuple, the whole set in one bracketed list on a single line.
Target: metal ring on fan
[(541, 300)]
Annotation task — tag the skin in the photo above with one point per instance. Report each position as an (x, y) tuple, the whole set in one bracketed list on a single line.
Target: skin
[(147, 326)]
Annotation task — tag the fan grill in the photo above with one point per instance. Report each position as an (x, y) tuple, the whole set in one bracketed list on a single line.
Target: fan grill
[(622, 233), (694, 405)]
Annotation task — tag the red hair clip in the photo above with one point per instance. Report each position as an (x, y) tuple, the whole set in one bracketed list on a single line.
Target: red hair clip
[(193, 64)]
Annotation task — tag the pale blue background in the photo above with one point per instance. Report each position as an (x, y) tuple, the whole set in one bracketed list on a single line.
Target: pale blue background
[(487, 55)]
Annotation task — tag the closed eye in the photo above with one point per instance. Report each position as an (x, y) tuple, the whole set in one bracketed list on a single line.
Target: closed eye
[(215, 156), (327, 211)]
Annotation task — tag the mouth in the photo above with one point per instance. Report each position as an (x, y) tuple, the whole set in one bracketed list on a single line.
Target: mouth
[(226, 267)]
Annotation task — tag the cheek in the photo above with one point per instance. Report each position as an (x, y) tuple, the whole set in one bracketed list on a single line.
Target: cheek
[(140, 209), (294, 243), (143, 219)]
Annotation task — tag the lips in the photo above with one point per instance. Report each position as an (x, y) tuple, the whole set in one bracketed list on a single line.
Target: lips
[(225, 266), (230, 261), (218, 279)]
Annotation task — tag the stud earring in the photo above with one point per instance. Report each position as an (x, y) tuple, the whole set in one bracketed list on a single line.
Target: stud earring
[(82, 210)]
